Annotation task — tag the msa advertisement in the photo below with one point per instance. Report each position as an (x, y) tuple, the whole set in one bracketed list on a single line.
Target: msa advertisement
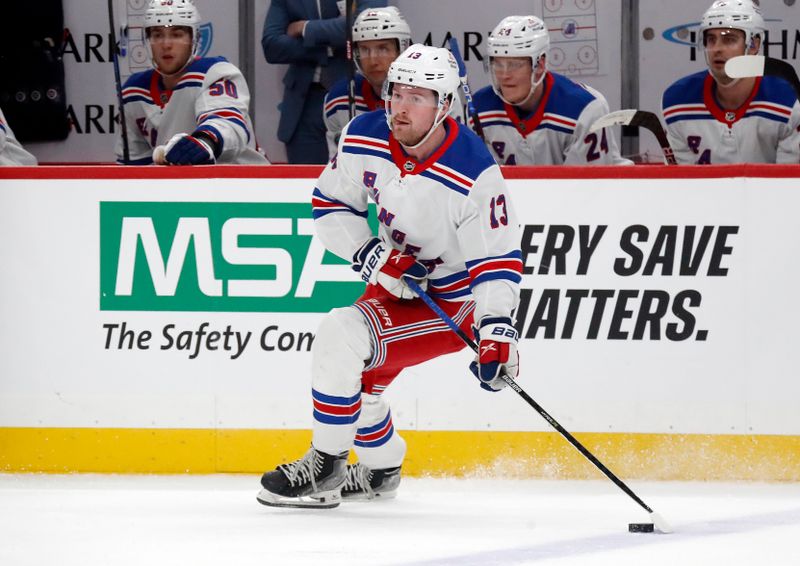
[(206, 256), (656, 305)]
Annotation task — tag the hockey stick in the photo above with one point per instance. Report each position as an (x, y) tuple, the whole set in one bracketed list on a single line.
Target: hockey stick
[(641, 119), (126, 156), (759, 66), (658, 521), (462, 74), (351, 69)]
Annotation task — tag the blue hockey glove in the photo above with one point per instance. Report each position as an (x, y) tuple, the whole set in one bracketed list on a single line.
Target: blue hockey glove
[(380, 264), (497, 344), (194, 149)]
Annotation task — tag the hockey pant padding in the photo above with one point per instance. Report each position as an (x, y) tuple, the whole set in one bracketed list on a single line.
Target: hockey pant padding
[(341, 346)]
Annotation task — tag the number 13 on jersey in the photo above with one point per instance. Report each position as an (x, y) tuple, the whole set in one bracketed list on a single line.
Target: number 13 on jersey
[(497, 212)]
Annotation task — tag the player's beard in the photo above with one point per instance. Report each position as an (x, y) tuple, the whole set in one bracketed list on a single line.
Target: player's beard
[(406, 133)]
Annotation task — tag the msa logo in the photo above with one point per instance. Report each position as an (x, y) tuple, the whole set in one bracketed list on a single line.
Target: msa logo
[(260, 257)]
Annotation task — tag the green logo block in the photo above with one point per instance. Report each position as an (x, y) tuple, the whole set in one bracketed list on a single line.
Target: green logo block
[(219, 257)]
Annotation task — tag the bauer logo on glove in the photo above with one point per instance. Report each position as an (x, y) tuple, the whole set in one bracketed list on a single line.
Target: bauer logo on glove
[(378, 264), (497, 344)]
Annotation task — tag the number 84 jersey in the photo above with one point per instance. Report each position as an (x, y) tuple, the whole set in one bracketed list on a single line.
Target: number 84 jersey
[(557, 133)]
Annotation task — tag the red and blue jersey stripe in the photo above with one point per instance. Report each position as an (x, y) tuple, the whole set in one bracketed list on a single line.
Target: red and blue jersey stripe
[(323, 205), (231, 114), (508, 267)]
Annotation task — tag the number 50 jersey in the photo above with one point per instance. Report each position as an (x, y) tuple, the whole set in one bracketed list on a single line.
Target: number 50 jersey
[(211, 95), (453, 211)]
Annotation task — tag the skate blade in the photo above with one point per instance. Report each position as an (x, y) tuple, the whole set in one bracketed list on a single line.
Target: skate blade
[(324, 500), (364, 497)]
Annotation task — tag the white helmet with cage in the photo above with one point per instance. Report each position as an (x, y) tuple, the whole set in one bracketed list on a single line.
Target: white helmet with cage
[(519, 36), (169, 13), (424, 66), (743, 15)]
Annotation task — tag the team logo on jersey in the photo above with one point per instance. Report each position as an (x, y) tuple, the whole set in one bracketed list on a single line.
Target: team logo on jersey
[(730, 116), (205, 39), (408, 166)]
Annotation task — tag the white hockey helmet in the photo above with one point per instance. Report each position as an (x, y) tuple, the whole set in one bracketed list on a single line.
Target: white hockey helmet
[(429, 67), (169, 13), (383, 23), (519, 36), (743, 15), (378, 24)]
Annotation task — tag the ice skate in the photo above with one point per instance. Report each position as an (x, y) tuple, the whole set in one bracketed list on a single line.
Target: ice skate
[(315, 480), (363, 484)]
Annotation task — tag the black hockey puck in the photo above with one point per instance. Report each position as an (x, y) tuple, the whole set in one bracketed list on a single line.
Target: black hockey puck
[(640, 527)]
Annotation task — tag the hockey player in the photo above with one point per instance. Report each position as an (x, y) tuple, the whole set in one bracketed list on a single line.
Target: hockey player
[(11, 152), (712, 118), (446, 220), (379, 36), (532, 116), (190, 110)]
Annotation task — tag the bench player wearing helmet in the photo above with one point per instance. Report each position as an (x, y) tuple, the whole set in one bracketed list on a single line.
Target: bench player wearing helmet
[(712, 118), (446, 220), (532, 116), (379, 36), (195, 110)]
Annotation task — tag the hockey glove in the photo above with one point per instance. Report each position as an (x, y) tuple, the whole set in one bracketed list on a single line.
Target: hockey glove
[(383, 265), (497, 344), (195, 149)]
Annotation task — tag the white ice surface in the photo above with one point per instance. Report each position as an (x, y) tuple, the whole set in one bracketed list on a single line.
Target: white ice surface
[(215, 520)]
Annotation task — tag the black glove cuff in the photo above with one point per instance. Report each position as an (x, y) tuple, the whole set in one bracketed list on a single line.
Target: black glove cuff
[(216, 147)]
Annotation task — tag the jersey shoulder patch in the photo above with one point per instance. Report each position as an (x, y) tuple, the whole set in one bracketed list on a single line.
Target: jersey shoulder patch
[(371, 125), (775, 90), (137, 88), (567, 98), (486, 99), (368, 134), (687, 90), (203, 64), (337, 98), (339, 88), (468, 156), (140, 80)]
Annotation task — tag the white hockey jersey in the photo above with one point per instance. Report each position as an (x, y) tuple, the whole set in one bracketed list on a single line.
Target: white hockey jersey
[(556, 133), (453, 211), (212, 95), (11, 151), (763, 130)]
